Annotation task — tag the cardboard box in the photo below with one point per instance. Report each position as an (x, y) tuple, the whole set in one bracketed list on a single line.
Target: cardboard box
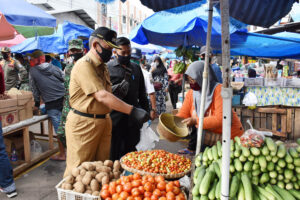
[(25, 112), (23, 98), (8, 105), (9, 118), (24, 103)]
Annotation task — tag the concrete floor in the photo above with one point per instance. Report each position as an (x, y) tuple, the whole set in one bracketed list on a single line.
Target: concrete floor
[(39, 182)]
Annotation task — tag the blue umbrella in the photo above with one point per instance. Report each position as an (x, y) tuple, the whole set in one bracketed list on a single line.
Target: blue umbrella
[(56, 43), (27, 19), (170, 28)]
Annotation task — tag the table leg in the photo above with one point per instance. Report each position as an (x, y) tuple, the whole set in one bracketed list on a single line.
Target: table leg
[(42, 128), (26, 140), (50, 134)]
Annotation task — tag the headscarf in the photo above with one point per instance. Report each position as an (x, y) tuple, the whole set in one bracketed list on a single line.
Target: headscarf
[(160, 69), (251, 73), (195, 71)]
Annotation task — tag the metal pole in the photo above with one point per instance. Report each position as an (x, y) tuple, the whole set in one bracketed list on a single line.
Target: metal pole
[(205, 77), (227, 96)]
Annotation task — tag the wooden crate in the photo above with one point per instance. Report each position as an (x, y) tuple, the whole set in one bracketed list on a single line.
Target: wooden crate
[(9, 118), (24, 103)]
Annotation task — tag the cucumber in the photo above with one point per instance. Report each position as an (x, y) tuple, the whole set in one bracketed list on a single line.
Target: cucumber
[(289, 186), (255, 195), (293, 153), (281, 163), (237, 153), (200, 176), (290, 166), (297, 162), (255, 180), (206, 182), (209, 154), (217, 169), (203, 197), (242, 158), (298, 149), (264, 178), (248, 166), (215, 153), (196, 173), (247, 187), (238, 165), (270, 166), (280, 177), (268, 158), (275, 159), (283, 193), (296, 186), (255, 166), (281, 184), (205, 158), (218, 190), (212, 192), (271, 144), (281, 151), (231, 145), (256, 172), (278, 168), (255, 151), (295, 193), (219, 147), (273, 174), (231, 168), (288, 174), (256, 160), (298, 141), (265, 151), (246, 152), (261, 197), (294, 179), (288, 158), (241, 194), (237, 140), (262, 161), (251, 158), (237, 146), (273, 181), (273, 192), (196, 197), (234, 186), (265, 193), (273, 153), (297, 169)]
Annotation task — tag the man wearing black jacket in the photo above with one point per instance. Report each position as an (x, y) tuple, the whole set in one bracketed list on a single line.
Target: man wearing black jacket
[(127, 84)]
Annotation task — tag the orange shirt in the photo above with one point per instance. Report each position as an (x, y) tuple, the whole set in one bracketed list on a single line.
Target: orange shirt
[(213, 118)]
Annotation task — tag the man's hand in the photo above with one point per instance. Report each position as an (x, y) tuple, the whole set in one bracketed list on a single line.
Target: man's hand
[(190, 121), (153, 115), (35, 110), (140, 115)]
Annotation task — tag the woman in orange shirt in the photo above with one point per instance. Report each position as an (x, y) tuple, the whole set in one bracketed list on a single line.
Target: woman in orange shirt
[(190, 110)]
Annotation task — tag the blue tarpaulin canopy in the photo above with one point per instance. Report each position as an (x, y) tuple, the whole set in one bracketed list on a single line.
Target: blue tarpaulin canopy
[(255, 12), (56, 43), (147, 49)]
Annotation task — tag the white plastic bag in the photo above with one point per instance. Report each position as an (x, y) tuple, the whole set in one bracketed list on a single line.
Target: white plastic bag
[(250, 99), (35, 149), (147, 139)]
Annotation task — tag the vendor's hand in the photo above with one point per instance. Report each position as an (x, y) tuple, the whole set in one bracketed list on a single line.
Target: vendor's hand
[(190, 121), (153, 115)]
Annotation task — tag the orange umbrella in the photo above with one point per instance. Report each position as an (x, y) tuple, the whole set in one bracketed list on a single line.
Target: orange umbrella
[(7, 31)]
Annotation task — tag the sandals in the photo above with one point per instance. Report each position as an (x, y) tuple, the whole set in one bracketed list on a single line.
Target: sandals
[(186, 151)]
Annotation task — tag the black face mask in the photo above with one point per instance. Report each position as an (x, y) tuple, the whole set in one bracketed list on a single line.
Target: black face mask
[(105, 55), (76, 56), (124, 60), (5, 55)]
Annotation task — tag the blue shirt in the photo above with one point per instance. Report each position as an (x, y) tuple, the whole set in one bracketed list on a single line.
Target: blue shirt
[(215, 67)]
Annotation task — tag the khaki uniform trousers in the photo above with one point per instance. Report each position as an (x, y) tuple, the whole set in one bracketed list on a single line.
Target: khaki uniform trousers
[(88, 139)]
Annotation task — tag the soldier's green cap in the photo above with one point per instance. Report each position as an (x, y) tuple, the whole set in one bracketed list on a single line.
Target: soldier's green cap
[(75, 44), (36, 54), (5, 49)]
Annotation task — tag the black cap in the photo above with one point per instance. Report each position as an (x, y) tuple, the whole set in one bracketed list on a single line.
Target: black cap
[(108, 35), (136, 53)]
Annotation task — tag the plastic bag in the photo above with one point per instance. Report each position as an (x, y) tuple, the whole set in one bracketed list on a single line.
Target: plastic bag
[(254, 138), (147, 139), (35, 149), (250, 99)]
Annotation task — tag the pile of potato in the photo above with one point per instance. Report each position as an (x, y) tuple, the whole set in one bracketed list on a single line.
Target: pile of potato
[(90, 176)]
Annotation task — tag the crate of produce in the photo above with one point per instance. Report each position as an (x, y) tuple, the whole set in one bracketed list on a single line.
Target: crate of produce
[(254, 82), (273, 82), (7, 104), (294, 82)]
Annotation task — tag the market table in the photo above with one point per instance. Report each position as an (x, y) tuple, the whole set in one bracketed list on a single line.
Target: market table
[(24, 127)]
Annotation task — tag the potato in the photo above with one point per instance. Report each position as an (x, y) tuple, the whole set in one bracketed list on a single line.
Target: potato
[(69, 179), (96, 193), (95, 185), (88, 166), (79, 178), (79, 187), (100, 176), (105, 180), (68, 186), (117, 165), (82, 172), (88, 192), (88, 187), (94, 173), (117, 175), (99, 163), (108, 163), (75, 172), (111, 175), (80, 167), (63, 185), (87, 179), (103, 169)]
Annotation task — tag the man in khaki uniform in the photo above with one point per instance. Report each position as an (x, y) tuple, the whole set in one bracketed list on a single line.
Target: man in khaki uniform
[(88, 126), (12, 69)]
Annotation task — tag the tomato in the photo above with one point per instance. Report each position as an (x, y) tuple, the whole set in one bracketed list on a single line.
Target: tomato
[(130, 198), (176, 190), (108, 198), (148, 187), (136, 176), (147, 194), (169, 187), (138, 198), (163, 193), (157, 192), (178, 197), (147, 198), (135, 192), (115, 196), (112, 189), (136, 183), (161, 185), (159, 179), (124, 195), (119, 189), (127, 187), (141, 189), (176, 183), (151, 179), (105, 187), (170, 196), (104, 194), (154, 197), (162, 198)]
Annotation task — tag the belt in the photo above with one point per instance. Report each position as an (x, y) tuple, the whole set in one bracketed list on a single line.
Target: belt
[(89, 115)]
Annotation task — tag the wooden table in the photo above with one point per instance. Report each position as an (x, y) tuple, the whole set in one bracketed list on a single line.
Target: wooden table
[(24, 127)]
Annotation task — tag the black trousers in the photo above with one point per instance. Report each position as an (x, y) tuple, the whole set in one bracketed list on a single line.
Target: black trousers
[(125, 136), (193, 140), (174, 90)]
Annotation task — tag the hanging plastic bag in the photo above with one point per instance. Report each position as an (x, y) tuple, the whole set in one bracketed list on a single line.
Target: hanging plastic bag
[(250, 100), (147, 139), (35, 149)]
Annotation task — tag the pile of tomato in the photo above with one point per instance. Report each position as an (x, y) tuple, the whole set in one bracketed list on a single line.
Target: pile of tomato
[(136, 187), (157, 161)]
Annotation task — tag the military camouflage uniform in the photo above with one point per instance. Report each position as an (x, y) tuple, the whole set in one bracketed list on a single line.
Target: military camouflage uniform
[(25, 82), (77, 44), (12, 70)]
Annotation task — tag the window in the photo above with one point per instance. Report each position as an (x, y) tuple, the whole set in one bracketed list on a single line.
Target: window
[(104, 9), (124, 19)]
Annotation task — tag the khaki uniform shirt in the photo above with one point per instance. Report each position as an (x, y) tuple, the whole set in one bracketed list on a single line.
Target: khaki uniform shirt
[(88, 76), (12, 69)]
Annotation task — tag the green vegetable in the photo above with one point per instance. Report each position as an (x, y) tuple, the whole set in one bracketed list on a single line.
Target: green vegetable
[(212, 192), (288, 158), (297, 162), (293, 152), (196, 173), (281, 184), (219, 147), (238, 140), (264, 178), (248, 166), (238, 165), (255, 166), (205, 158), (295, 193), (218, 190), (280, 177), (255, 151), (255, 180), (251, 158), (288, 174), (296, 186), (206, 182), (256, 172), (246, 152), (262, 161), (290, 166), (242, 158), (281, 163), (231, 145), (268, 158), (283, 193), (265, 151), (289, 186), (270, 166), (273, 174), (281, 151), (231, 168), (241, 194), (298, 149), (298, 141), (247, 187), (273, 192), (217, 169), (273, 181), (209, 154), (215, 153), (203, 197), (271, 144), (237, 153), (234, 186), (265, 193), (275, 159), (196, 197)]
